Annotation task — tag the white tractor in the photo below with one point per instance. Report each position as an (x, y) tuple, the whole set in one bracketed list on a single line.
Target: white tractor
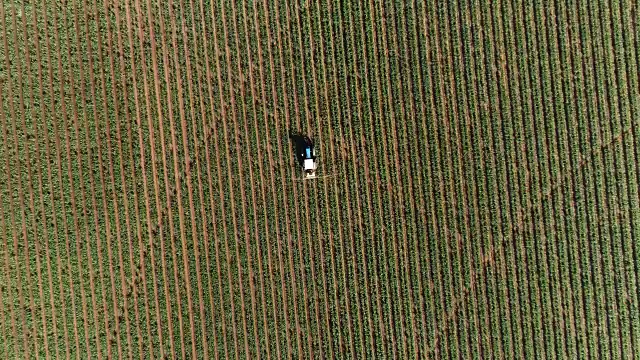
[(309, 159)]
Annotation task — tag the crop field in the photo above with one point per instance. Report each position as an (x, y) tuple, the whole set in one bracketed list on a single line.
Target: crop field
[(479, 192)]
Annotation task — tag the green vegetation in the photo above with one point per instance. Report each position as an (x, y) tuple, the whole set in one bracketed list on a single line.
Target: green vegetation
[(483, 201)]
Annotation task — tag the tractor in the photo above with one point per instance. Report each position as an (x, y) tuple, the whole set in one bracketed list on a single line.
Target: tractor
[(309, 158)]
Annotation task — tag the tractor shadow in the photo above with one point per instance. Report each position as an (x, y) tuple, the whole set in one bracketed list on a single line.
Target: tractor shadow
[(299, 142)]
